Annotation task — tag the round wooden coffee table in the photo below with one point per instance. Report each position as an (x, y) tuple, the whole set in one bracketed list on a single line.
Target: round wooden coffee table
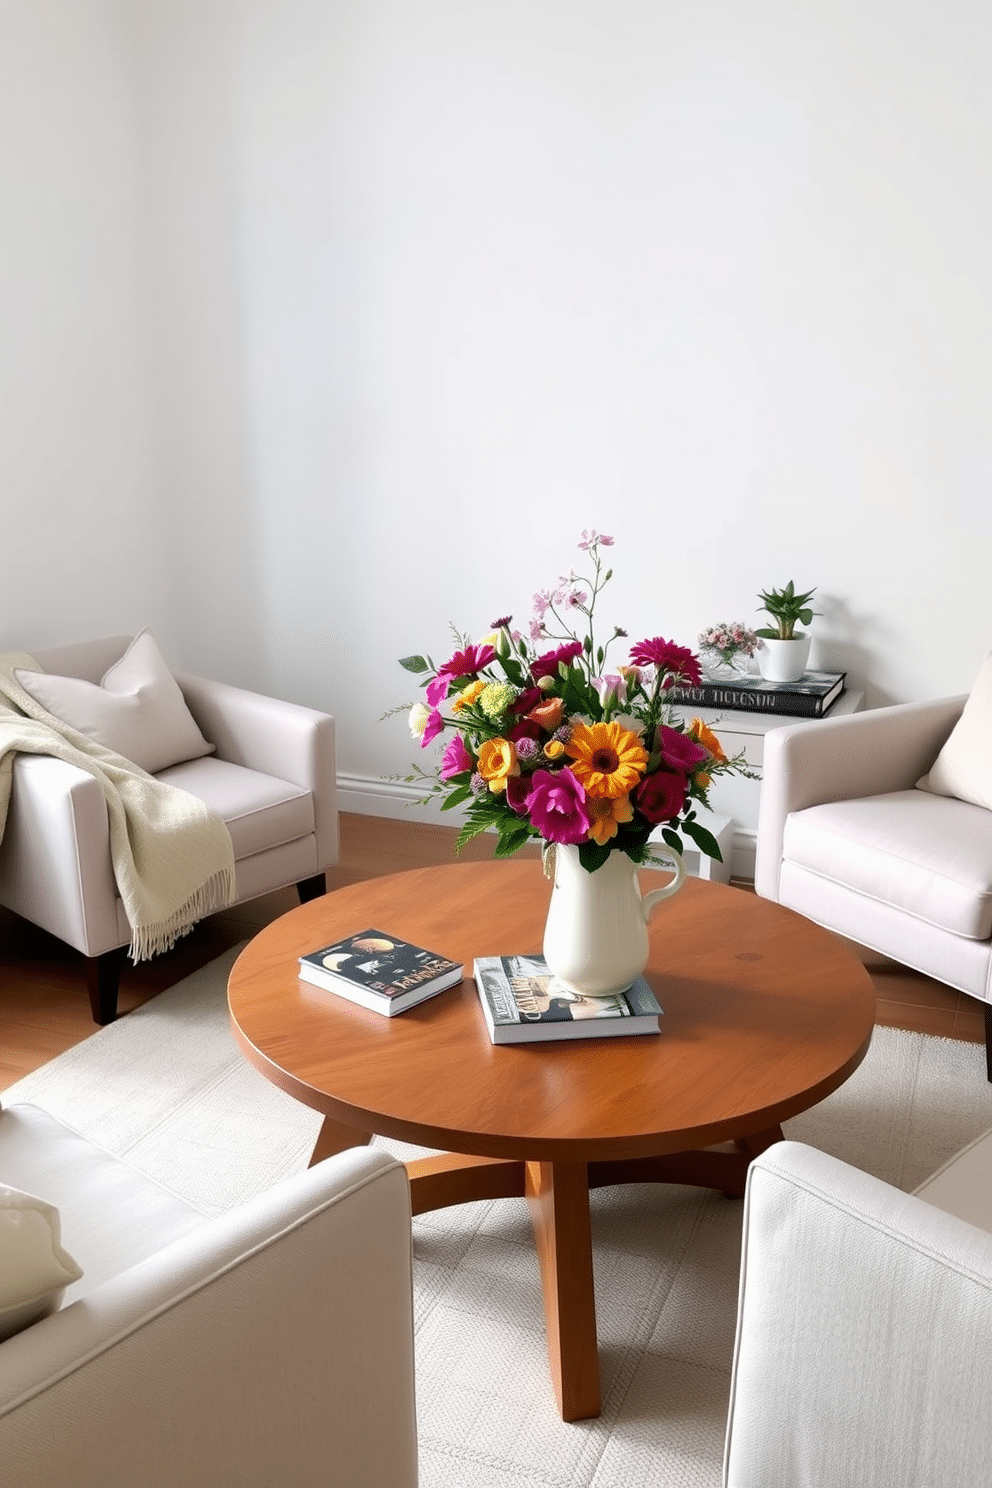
[(764, 1015)]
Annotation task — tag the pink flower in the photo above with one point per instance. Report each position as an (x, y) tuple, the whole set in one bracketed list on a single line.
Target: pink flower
[(612, 690), (556, 802), (676, 662), (547, 665), (435, 726), (466, 663), (590, 537), (660, 796), (679, 751), (455, 759)]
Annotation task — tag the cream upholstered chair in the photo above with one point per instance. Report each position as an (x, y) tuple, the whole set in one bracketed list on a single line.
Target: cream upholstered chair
[(271, 777), (864, 1327), (270, 1345), (847, 838)]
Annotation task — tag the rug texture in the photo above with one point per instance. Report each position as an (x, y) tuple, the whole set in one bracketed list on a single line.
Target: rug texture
[(167, 1088)]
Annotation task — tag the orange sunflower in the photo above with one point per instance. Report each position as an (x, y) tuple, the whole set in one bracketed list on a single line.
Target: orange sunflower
[(607, 759)]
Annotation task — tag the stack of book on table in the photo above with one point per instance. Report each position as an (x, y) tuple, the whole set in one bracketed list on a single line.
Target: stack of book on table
[(811, 697), (523, 1003), (379, 971)]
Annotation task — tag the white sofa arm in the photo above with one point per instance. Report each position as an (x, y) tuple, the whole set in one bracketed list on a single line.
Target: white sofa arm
[(278, 738), (839, 759), (55, 865), (864, 1334), (272, 1345)]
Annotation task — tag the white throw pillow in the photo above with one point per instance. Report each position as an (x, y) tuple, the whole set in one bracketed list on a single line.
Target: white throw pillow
[(137, 710), (963, 768), (34, 1269)]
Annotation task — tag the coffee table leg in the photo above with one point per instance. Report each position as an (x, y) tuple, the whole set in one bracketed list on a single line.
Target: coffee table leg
[(333, 1137), (558, 1195)]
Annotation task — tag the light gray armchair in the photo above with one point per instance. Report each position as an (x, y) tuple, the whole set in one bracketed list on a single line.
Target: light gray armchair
[(269, 1345), (864, 1327), (845, 838), (271, 778)]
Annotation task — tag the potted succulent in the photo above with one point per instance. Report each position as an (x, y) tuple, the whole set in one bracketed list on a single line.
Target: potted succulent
[(783, 654)]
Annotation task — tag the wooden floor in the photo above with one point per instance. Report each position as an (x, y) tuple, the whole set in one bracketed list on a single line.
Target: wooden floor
[(44, 1007)]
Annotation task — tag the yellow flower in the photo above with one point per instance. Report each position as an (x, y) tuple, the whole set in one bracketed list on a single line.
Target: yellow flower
[(607, 759), (497, 760), (467, 696), (554, 749), (605, 816), (704, 735)]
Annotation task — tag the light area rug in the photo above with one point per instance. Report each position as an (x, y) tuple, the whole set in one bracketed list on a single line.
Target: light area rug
[(167, 1088)]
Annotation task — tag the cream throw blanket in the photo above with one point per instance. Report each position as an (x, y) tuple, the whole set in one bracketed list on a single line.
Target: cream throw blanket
[(172, 856)]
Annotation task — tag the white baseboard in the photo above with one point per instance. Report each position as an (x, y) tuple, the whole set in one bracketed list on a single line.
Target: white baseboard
[(365, 795)]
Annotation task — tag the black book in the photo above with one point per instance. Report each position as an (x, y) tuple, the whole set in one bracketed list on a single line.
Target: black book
[(380, 971), (523, 1003), (811, 697)]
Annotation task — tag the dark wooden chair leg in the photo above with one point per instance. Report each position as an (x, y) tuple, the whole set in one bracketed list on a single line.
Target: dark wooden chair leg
[(988, 1040), (103, 976), (312, 888)]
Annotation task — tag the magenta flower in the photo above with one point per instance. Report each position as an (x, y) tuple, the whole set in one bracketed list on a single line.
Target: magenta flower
[(556, 802), (547, 665), (660, 796), (679, 751), (455, 759), (466, 663), (677, 662), (590, 537), (435, 726)]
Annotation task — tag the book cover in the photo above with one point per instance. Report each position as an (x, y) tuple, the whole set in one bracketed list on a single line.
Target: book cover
[(382, 965), (810, 697), (523, 1003)]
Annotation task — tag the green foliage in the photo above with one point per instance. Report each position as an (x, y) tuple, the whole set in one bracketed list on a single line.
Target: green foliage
[(787, 609), (415, 663)]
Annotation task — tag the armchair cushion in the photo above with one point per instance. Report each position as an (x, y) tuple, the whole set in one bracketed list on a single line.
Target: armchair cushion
[(34, 1268), (260, 811), (137, 709), (963, 768), (112, 1216), (928, 855)]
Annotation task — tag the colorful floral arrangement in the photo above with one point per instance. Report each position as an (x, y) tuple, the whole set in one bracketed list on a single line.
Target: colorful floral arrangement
[(545, 742), (727, 642)]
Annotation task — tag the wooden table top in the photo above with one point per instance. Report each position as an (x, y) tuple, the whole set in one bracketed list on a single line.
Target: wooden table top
[(764, 1015)]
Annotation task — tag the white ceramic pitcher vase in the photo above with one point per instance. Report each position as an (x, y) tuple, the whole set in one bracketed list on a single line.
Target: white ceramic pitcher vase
[(596, 937)]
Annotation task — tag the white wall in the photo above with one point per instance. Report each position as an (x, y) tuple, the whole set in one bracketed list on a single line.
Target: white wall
[(78, 497), (438, 283)]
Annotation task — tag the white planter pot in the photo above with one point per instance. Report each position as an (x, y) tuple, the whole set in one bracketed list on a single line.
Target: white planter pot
[(784, 661)]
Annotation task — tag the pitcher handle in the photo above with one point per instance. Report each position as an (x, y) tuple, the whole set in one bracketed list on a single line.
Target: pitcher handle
[(650, 901)]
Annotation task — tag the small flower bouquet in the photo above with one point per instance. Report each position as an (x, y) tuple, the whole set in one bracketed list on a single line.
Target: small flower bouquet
[(545, 742), (728, 646)]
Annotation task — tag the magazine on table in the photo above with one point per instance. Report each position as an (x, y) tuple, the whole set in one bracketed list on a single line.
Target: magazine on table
[(522, 1002)]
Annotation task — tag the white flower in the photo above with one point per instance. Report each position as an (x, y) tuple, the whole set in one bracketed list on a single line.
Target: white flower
[(419, 715)]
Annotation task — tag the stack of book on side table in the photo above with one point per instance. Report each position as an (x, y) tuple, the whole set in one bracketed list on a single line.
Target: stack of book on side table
[(523, 1003), (811, 697), (379, 971)]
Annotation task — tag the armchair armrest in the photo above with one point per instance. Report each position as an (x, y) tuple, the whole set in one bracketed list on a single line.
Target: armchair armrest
[(278, 738), (271, 1345), (55, 865), (863, 1332), (838, 759)]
